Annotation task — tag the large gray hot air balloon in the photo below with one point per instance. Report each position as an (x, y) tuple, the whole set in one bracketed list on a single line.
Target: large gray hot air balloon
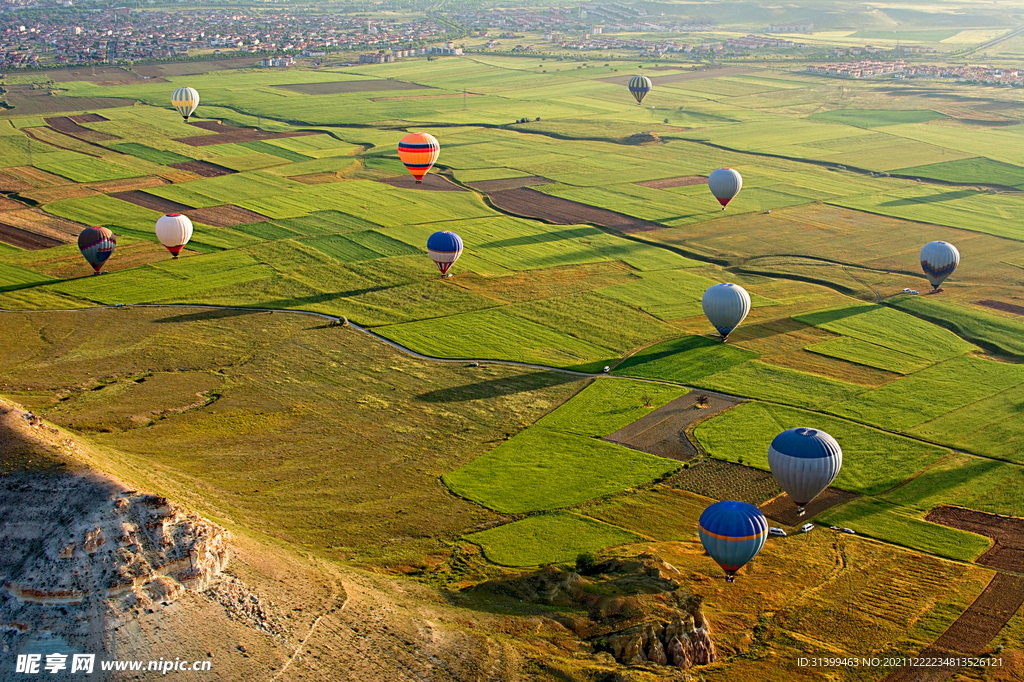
[(725, 184), (939, 260), (804, 462), (726, 305)]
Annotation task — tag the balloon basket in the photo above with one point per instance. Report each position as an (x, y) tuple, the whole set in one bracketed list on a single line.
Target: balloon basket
[(800, 511), (730, 578)]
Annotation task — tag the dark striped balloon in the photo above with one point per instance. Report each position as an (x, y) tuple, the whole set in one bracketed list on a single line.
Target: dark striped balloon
[(96, 244), (639, 86)]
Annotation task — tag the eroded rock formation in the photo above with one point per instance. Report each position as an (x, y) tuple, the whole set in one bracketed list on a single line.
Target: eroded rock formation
[(636, 609)]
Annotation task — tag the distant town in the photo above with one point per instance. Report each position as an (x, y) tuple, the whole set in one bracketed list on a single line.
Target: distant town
[(122, 36)]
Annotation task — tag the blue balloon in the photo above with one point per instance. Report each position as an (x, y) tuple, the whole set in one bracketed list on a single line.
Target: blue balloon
[(444, 249), (732, 533)]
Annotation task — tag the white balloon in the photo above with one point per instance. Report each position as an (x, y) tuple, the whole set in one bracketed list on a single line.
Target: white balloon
[(939, 260), (726, 305), (725, 184), (804, 462), (174, 230)]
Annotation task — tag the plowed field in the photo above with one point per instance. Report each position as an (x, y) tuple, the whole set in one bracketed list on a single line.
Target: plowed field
[(533, 204)]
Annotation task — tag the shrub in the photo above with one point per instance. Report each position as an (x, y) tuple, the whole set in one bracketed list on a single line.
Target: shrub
[(586, 563)]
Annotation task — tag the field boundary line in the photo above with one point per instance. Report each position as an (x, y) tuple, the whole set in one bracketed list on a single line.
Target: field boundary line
[(517, 363)]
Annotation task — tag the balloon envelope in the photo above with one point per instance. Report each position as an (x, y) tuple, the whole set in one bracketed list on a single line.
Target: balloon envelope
[(185, 100), (939, 260), (804, 462), (726, 305), (732, 533), (174, 230), (725, 184), (418, 151), (96, 244), (444, 249), (639, 86)]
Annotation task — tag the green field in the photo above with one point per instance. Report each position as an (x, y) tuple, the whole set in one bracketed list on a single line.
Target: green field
[(684, 360), (548, 538), (305, 430), (867, 118), (606, 406), (873, 461), (542, 469), (883, 521)]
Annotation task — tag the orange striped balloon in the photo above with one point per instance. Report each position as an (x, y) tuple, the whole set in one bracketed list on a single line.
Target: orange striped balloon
[(418, 151)]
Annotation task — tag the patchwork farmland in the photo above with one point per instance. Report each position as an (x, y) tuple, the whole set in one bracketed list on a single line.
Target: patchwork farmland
[(562, 395)]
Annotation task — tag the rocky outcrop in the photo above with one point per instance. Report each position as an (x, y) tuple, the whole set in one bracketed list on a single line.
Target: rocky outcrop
[(643, 138), (79, 551), (678, 643), (636, 609)]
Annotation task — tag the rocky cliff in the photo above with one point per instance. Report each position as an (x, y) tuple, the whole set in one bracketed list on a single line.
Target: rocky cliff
[(73, 542)]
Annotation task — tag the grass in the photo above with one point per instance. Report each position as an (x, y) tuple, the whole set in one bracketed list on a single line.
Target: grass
[(15, 277), (964, 481), (607, 405), (684, 360), (899, 526), (977, 169), (594, 318), (873, 461), (876, 118), (298, 454), (930, 393), (864, 353), (160, 156), (548, 539), (989, 427), (756, 379), (81, 168), (889, 329), (541, 469), (990, 330), (496, 335)]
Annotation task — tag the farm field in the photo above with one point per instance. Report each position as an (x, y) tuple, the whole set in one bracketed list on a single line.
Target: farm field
[(467, 415)]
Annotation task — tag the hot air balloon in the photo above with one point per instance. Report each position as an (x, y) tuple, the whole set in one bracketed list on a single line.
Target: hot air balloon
[(639, 86), (418, 151), (732, 533), (185, 100), (174, 230), (444, 249), (804, 462), (96, 244), (725, 184), (939, 260), (726, 305)]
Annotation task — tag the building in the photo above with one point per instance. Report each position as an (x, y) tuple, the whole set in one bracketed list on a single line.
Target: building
[(378, 58), (791, 28), (272, 62)]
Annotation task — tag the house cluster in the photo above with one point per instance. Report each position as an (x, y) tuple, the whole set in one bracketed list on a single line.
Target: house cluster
[(871, 49), (124, 35), (752, 42), (970, 74), (863, 69), (386, 57), (277, 62), (791, 28)]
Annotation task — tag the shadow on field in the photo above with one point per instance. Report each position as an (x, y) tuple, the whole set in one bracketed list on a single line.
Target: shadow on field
[(556, 236), (932, 199), (215, 314), (497, 387)]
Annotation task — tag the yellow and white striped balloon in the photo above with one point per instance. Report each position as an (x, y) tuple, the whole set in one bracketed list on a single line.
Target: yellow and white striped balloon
[(185, 100)]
